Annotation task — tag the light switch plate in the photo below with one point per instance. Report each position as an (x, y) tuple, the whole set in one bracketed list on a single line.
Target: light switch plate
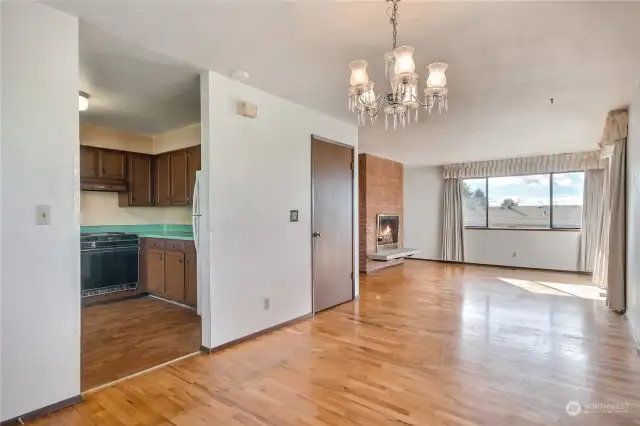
[(43, 215), (293, 215)]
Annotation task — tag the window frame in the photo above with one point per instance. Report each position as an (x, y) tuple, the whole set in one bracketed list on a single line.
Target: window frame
[(550, 228)]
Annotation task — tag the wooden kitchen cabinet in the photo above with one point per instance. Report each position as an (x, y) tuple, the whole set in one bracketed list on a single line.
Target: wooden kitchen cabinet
[(155, 271), (112, 164), (140, 182), (143, 180), (171, 269), (89, 159), (174, 276), (194, 160), (163, 180), (103, 169), (191, 279), (179, 178)]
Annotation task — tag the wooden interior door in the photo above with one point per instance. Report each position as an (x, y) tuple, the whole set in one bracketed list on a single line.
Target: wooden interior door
[(155, 272), (332, 180), (113, 164), (194, 160), (140, 180), (191, 279), (89, 162), (179, 178), (163, 180), (174, 275)]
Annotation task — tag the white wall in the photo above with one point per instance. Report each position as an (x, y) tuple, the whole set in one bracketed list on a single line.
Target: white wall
[(633, 215), (106, 137), (423, 210), (259, 169), (41, 264), (183, 137), (534, 249), (101, 208)]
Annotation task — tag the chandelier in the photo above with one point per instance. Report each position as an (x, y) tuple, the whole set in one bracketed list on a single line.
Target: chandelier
[(400, 101)]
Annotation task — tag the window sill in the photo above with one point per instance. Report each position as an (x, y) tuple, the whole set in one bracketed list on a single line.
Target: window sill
[(524, 229)]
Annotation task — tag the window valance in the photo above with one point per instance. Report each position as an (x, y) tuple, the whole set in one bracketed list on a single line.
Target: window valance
[(616, 127), (525, 165)]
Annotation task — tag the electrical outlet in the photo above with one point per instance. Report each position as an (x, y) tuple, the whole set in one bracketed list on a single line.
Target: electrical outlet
[(266, 303), (43, 215), (293, 215), (515, 254)]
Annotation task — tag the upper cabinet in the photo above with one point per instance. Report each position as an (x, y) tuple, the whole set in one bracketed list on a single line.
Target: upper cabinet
[(89, 161), (179, 178), (175, 176), (113, 164), (163, 180), (142, 179), (102, 169), (193, 165)]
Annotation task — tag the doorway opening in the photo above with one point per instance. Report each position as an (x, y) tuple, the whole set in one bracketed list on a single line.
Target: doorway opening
[(139, 165)]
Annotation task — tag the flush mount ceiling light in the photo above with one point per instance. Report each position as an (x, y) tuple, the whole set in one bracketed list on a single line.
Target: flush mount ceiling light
[(83, 101), (401, 100)]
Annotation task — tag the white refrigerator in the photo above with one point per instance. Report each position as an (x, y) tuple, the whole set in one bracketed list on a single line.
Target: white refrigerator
[(197, 235)]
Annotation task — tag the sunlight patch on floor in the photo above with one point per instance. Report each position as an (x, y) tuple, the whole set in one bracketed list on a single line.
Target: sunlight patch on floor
[(558, 289)]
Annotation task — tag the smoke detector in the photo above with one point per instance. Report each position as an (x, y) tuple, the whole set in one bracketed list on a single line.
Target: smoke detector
[(239, 75)]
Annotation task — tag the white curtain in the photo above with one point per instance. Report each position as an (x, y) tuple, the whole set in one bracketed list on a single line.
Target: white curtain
[(609, 269), (525, 165), (591, 218), (452, 223)]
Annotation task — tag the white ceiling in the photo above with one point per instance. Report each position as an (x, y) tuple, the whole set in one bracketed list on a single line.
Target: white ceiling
[(134, 89), (506, 60)]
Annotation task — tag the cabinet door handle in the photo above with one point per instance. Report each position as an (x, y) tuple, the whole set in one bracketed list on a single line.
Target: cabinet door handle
[(180, 261)]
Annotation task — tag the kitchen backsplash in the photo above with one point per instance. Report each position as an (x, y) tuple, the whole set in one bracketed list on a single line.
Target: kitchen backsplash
[(101, 208)]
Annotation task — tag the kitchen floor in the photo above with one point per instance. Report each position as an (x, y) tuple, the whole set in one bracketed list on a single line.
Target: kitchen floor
[(126, 337)]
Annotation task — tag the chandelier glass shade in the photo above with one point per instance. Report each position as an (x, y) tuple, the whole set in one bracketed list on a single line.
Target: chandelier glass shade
[(400, 102)]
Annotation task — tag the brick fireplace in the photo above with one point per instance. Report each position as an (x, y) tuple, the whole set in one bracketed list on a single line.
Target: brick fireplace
[(380, 196)]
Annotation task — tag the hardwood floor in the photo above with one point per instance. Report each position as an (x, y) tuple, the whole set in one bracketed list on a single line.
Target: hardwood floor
[(122, 338), (427, 344)]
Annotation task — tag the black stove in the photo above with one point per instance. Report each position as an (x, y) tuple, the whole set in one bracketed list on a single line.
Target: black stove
[(107, 239), (109, 262)]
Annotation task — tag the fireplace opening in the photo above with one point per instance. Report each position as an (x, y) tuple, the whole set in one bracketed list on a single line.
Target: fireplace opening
[(387, 232)]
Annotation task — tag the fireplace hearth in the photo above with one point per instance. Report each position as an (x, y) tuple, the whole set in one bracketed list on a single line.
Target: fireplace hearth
[(387, 232)]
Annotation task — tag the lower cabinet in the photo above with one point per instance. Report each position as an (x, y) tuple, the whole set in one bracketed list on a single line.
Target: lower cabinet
[(174, 276), (191, 279), (155, 272), (170, 269)]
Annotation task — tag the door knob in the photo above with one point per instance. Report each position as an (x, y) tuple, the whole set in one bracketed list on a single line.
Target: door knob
[(317, 234)]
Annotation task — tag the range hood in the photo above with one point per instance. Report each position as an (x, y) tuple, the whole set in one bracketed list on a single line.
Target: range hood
[(92, 184)]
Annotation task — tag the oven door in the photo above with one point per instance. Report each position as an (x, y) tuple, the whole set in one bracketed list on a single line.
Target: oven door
[(106, 270)]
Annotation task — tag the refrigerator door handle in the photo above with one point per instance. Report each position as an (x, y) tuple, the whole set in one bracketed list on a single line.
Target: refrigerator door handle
[(196, 211)]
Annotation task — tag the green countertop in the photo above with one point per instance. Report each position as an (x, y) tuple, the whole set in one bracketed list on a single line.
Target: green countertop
[(169, 231), (172, 235)]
